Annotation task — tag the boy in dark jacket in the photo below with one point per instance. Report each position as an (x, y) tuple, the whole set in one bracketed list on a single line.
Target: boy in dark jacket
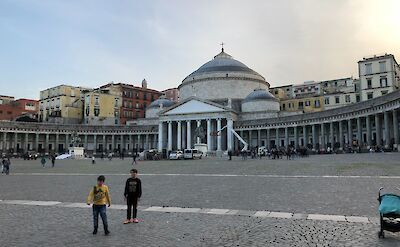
[(133, 192)]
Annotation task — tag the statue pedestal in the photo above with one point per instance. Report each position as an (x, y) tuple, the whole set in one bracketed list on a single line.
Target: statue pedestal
[(77, 152)]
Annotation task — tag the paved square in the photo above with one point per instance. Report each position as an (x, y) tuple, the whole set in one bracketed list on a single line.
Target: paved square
[(325, 200)]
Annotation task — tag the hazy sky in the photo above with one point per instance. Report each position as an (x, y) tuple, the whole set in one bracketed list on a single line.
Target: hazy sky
[(45, 43)]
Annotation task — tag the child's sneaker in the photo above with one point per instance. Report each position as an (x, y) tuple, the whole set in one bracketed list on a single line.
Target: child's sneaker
[(127, 221), (135, 220), (94, 231), (106, 232), (131, 220)]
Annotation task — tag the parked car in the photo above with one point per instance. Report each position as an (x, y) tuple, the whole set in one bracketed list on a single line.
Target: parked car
[(192, 154), (176, 155)]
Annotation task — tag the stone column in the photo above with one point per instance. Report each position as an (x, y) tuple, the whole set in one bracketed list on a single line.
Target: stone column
[(94, 143), (169, 135), (209, 135), (286, 137), (4, 146), (395, 127), (332, 138), (85, 142), (387, 133), (26, 143), (147, 142), (268, 139), (259, 138), (250, 137), (112, 143), (47, 142), (139, 140), (179, 136), (305, 135), (160, 136), (359, 132), (296, 137), (122, 143), (37, 142), (277, 138), (323, 145), (349, 132), (340, 134), (188, 134), (219, 148), (198, 140), (15, 142), (368, 129), (229, 134), (57, 143), (378, 130), (105, 148), (314, 136)]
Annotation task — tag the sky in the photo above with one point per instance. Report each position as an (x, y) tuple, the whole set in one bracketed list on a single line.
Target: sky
[(45, 43)]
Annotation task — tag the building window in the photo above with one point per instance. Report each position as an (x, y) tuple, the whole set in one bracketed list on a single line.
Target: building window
[(382, 66), (358, 99), (283, 106), (355, 88), (369, 83), (337, 99), (137, 105), (307, 103), (137, 114), (327, 101), (347, 98), (96, 112), (384, 92), (87, 111), (368, 69), (369, 95), (301, 105), (317, 103), (96, 100), (383, 81), (145, 96), (116, 102)]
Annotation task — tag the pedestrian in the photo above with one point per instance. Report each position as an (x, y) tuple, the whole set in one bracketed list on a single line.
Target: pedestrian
[(134, 158), (99, 196), (53, 160), (6, 166), (43, 161), (93, 160), (133, 192), (230, 154)]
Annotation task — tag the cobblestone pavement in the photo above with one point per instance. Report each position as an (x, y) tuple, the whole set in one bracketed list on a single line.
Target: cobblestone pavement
[(297, 186), (50, 226)]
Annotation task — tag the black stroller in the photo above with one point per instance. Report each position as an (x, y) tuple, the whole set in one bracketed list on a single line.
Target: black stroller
[(389, 212)]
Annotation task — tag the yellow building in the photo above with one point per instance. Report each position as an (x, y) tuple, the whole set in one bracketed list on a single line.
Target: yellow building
[(306, 104), (103, 106), (61, 104)]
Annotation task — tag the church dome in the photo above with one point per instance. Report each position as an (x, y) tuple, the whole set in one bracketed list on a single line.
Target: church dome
[(161, 102), (259, 94), (260, 100), (223, 62), (221, 79)]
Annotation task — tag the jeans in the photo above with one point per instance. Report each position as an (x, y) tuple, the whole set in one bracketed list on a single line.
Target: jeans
[(132, 203), (100, 209)]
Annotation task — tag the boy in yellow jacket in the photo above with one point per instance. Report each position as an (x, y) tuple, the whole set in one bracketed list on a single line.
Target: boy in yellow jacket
[(99, 196)]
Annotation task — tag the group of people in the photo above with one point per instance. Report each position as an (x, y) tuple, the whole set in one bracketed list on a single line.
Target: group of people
[(5, 166), (52, 158), (99, 197)]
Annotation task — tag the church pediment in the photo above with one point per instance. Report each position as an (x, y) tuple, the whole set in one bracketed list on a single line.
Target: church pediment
[(194, 106)]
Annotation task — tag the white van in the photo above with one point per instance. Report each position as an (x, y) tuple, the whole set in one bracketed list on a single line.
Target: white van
[(192, 154)]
